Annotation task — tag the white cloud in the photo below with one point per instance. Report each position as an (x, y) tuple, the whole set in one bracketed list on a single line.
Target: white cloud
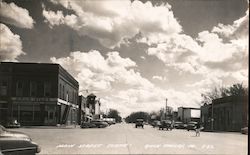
[(128, 90), (222, 52), (111, 21), (161, 78), (11, 45), (15, 15), (95, 72), (239, 29)]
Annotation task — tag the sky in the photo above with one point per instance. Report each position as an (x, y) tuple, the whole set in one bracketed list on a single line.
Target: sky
[(133, 54)]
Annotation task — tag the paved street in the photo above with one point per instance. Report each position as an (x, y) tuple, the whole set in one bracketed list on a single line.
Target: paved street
[(126, 139)]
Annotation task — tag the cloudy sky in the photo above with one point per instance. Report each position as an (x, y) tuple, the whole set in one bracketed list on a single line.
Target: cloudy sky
[(133, 54)]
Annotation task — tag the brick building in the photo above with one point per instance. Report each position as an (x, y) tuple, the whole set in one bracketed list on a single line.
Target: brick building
[(225, 114), (37, 94)]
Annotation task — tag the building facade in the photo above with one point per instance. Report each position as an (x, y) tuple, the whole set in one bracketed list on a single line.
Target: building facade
[(90, 108), (187, 114), (37, 94), (225, 114)]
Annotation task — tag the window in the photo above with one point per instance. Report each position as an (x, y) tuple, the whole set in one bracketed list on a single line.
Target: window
[(3, 88), (19, 88), (47, 89), (33, 88), (63, 94), (60, 91)]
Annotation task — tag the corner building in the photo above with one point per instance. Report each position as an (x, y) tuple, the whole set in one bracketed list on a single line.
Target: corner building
[(37, 94)]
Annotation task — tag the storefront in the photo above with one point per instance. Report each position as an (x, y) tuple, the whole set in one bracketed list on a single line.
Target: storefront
[(34, 111)]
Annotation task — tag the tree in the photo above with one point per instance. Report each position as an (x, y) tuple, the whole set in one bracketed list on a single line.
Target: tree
[(235, 90), (137, 115), (114, 114)]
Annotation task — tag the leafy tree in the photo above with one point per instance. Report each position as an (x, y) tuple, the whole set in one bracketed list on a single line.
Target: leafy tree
[(114, 114), (137, 115), (235, 90)]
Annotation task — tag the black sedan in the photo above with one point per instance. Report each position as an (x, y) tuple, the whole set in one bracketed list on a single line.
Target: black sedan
[(179, 125), (99, 123), (191, 126), (13, 143), (87, 125)]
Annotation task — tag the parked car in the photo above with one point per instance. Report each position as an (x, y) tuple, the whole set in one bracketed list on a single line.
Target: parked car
[(244, 130), (13, 143), (87, 125), (156, 123), (179, 125), (99, 123), (165, 124), (191, 125), (13, 124), (139, 123)]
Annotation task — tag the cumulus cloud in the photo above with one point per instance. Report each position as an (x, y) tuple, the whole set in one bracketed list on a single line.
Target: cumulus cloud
[(221, 51), (15, 15), (239, 28), (11, 45), (161, 78), (95, 72), (128, 90), (111, 22)]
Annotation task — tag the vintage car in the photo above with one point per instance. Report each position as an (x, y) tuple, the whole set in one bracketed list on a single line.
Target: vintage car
[(13, 124), (87, 125), (244, 130), (165, 124), (179, 125), (16, 143), (99, 123), (191, 125), (156, 123), (139, 123)]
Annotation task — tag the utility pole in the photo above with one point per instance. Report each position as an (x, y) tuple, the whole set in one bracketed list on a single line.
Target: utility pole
[(166, 108)]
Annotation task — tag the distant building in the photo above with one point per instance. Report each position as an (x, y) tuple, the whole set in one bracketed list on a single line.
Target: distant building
[(175, 115), (187, 114), (225, 114), (90, 108), (37, 94), (82, 108)]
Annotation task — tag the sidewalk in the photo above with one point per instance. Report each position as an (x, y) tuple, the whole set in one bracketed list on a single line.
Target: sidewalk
[(53, 127)]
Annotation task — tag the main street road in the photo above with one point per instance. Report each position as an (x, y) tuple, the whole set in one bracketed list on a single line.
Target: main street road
[(126, 139)]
